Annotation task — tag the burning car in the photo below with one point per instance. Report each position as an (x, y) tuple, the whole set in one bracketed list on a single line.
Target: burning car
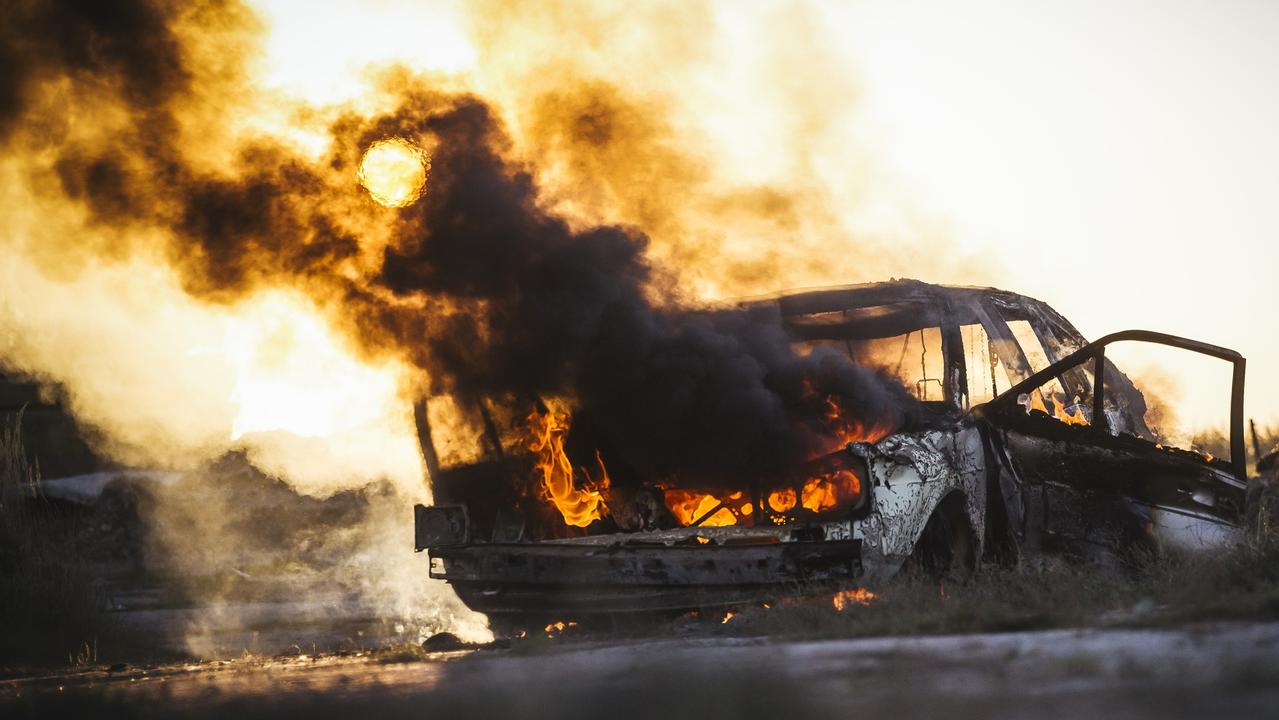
[(1027, 441)]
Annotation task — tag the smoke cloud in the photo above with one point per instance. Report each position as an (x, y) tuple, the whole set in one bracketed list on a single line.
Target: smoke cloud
[(190, 255), (479, 286)]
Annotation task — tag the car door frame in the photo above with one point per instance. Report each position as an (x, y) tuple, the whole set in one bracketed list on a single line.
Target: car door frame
[(1020, 507)]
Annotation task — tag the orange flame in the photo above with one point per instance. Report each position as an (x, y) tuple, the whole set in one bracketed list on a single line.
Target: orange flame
[(558, 628), (819, 494), (782, 500), (687, 506), (846, 598), (1059, 411), (825, 492), (844, 430), (1070, 417), (580, 507)]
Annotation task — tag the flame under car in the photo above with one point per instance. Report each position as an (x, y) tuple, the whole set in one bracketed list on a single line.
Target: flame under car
[(1031, 442)]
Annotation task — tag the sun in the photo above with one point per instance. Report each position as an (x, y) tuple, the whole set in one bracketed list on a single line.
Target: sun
[(394, 172)]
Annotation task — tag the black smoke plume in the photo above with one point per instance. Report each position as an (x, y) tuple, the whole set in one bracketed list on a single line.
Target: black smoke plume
[(489, 293), (126, 43)]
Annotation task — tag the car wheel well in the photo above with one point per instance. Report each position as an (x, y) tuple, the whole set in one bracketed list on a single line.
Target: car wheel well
[(948, 545)]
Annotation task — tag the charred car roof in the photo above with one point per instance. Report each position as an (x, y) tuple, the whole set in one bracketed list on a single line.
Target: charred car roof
[(895, 307)]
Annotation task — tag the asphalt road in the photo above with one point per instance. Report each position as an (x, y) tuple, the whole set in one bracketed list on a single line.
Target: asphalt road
[(1211, 671)]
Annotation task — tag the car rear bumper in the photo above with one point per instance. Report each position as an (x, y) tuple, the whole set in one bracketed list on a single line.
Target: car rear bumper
[(573, 578)]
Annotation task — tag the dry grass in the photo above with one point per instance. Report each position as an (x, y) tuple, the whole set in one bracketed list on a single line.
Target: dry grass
[(50, 612), (996, 600), (1237, 584)]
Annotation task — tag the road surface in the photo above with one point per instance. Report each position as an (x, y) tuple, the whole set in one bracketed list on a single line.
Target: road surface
[(1210, 671)]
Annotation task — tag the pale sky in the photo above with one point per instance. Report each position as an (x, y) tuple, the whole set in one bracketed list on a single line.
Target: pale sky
[(1120, 160)]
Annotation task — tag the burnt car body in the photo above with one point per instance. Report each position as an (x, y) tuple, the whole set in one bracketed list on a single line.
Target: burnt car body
[(995, 474)]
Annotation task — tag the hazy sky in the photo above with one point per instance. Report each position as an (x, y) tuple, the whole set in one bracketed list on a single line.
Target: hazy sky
[(1119, 159)]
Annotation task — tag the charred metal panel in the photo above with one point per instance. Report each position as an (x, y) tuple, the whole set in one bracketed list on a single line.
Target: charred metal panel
[(1045, 450), (725, 535), (1177, 529), (911, 475), (484, 488), (1077, 489), (440, 526), (690, 565), (552, 602)]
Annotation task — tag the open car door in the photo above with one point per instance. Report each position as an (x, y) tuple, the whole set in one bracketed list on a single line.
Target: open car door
[(1078, 471)]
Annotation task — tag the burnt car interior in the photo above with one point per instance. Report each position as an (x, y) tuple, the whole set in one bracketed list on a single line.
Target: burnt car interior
[(951, 348)]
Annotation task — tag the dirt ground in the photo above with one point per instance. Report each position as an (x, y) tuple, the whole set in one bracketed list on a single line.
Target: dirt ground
[(1216, 670)]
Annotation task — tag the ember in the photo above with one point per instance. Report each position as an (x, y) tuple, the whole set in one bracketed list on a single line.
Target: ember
[(845, 598), (559, 627)]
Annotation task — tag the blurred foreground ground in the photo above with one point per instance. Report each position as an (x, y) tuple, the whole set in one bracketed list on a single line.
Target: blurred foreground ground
[(1208, 670)]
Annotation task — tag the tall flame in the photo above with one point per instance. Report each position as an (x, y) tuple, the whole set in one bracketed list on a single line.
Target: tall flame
[(580, 507)]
